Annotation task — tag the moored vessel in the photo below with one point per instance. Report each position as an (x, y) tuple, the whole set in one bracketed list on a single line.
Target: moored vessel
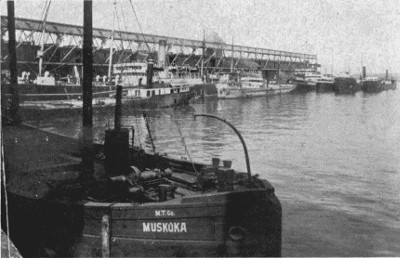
[(346, 85), (324, 84), (306, 79), (376, 84), (235, 86)]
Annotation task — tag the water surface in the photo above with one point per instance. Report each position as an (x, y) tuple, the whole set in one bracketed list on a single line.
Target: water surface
[(334, 160)]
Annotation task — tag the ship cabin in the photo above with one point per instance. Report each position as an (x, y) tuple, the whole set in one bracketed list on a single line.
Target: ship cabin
[(371, 79), (130, 74), (307, 75), (157, 91)]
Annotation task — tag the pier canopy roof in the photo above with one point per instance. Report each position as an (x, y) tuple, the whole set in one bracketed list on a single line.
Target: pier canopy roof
[(61, 29)]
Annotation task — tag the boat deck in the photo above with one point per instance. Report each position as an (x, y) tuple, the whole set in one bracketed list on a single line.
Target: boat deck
[(35, 162)]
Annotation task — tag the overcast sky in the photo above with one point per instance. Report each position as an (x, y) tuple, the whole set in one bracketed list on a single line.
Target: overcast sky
[(347, 30)]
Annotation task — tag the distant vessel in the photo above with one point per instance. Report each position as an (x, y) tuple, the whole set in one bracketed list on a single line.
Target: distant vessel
[(135, 74), (234, 86), (376, 84), (324, 83), (306, 79), (158, 94), (346, 85), (149, 96)]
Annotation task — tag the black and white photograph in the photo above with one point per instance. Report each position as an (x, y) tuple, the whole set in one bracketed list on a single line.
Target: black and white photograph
[(200, 128)]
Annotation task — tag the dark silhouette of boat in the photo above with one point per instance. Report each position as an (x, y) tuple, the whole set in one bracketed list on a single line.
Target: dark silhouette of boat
[(346, 85), (376, 84), (69, 197)]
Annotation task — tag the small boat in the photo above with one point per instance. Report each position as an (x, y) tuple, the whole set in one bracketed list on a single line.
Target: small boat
[(161, 207)]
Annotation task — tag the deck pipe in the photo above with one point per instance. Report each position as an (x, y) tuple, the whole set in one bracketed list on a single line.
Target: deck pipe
[(364, 72), (241, 140), (87, 119), (13, 64), (116, 144)]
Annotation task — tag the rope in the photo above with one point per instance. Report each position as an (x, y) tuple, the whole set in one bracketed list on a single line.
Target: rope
[(183, 141), (137, 125), (140, 27), (148, 129)]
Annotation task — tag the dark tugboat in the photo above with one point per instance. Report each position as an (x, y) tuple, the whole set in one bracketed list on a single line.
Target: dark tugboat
[(75, 198)]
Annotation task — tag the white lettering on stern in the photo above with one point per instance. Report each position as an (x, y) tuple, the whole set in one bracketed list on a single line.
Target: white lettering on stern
[(165, 227), (164, 213)]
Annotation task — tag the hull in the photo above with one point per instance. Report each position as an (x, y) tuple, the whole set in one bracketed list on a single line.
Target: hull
[(305, 86), (201, 226), (379, 85), (160, 101), (50, 215), (345, 85), (389, 85), (228, 92), (205, 90), (324, 87), (372, 86), (33, 92), (42, 109)]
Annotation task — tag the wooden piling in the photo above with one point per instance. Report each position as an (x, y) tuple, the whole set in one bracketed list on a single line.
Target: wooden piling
[(105, 236)]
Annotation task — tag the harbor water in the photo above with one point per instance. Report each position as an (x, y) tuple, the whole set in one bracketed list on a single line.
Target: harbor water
[(334, 160)]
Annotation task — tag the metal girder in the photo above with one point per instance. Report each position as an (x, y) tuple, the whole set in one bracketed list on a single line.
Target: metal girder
[(75, 30)]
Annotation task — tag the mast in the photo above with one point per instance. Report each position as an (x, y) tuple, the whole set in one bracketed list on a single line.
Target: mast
[(13, 63), (111, 46), (332, 62), (202, 54), (87, 150), (232, 57), (40, 54)]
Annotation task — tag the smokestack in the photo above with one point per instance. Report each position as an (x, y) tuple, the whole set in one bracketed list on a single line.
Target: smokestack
[(364, 72), (149, 74), (162, 52), (387, 74), (116, 144)]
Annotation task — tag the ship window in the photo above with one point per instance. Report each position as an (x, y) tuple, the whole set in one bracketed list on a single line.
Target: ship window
[(159, 92), (153, 92), (137, 93), (172, 91), (148, 93)]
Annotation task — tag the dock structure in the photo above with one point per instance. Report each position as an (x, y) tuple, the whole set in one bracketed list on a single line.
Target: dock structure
[(63, 43)]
